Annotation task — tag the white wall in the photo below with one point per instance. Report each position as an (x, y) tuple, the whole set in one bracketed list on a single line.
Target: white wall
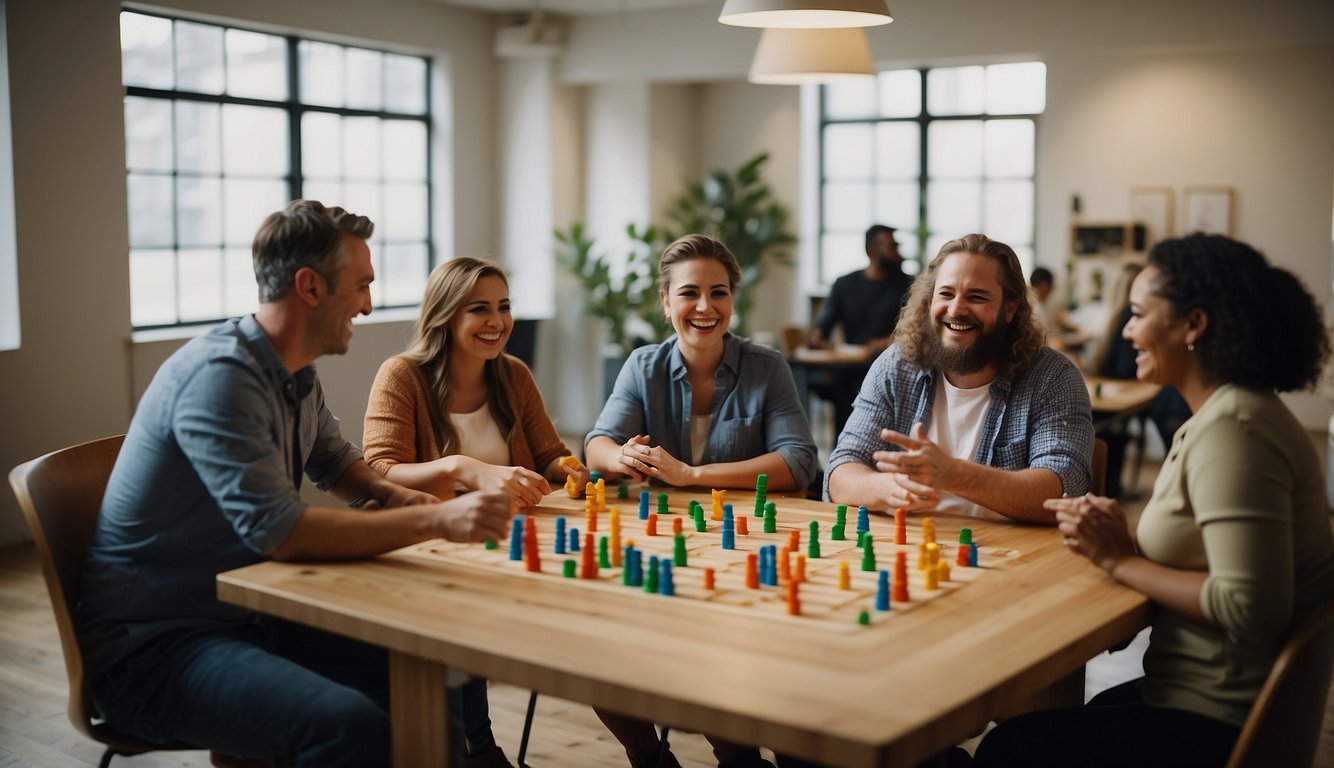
[(77, 374)]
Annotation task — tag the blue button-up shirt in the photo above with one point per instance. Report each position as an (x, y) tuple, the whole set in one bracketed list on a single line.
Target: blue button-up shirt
[(206, 481), (755, 407), (1039, 418)]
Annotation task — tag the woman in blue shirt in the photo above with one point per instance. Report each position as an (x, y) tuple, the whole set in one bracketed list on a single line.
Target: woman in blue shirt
[(704, 408)]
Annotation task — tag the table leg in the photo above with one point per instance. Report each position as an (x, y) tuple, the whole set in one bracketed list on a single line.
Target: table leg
[(418, 711)]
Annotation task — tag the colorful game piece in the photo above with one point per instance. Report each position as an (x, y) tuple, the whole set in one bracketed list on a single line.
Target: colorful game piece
[(844, 578), (643, 505), (929, 530), (972, 555), (594, 476), (794, 539), (679, 550), (800, 573), (665, 586), (840, 523), (490, 544), (532, 559), (741, 527), (651, 527), (770, 518), (922, 557), (662, 503), (622, 491), (861, 538), (588, 566), (560, 535), (961, 558), (965, 536), (627, 573), (813, 546), (708, 579), (752, 571), (637, 571), (900, 526), (729, 528), (863, 519), (718, 498), (604, 557), (785, 564), (677, 525), (516, 537), (868, 553), (651, 580), (602, 495), (769, 571), (943, 570), (701, 525), (882, 591), (930, 579), (864, 618), (900, 589), (571, 463), (761, 493), (614, 516), (591, 517), (574, 540), (570, 567), (571, 487), (793, 599), (590, 498)]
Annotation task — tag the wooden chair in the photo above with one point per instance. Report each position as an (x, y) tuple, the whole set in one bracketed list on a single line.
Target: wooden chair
[(1098, 467), (1283, 727), (60, 495)]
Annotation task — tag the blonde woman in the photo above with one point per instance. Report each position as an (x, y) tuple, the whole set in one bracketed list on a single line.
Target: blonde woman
[(455, 412)]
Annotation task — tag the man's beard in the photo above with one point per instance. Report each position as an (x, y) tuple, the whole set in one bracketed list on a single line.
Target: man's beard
[(987, 349)]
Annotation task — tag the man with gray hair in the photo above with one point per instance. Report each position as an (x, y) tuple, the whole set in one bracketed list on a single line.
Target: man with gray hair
[(208, 480)]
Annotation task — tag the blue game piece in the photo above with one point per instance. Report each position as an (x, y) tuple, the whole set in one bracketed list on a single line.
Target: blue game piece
[(516, 537), (882, 591), (972, 555), (643, 505), (594, 476), (863, 519), (665, 586), (729, 528), (574, 539), (560, 535)]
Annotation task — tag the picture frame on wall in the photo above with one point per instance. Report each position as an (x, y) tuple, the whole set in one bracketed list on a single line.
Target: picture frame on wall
[(1207, 209), (1153, 207)]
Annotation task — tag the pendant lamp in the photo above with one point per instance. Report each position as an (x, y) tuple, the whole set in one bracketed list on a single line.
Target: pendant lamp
[(799, 56), (805, 14)]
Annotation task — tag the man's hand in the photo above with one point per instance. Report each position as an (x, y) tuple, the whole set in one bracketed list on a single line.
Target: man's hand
[(475, 517), (653, 461), (921, 460), (401, 496)]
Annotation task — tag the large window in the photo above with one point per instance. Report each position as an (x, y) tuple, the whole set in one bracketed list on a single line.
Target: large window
[(935, 153), (224, 125)]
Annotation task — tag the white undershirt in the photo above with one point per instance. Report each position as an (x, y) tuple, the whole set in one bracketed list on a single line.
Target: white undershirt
[(699, 437), (957, 418), (480, 438)]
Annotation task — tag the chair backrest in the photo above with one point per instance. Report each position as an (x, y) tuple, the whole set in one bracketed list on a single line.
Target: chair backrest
[(1283, 727), (794, 336), (1099, 467), (60, 495)]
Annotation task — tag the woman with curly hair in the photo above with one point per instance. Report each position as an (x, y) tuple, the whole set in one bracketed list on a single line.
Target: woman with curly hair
[(1235, 544)]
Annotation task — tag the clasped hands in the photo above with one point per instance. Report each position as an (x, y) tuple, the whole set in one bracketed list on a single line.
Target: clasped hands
[(1095, 527), (918, 471), (641, 460)]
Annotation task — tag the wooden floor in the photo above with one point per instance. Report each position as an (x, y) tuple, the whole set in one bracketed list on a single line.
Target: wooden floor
[(35, 733)]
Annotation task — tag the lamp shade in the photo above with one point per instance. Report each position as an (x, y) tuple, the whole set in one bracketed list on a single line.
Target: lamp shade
[(798, 56), (805, 14)]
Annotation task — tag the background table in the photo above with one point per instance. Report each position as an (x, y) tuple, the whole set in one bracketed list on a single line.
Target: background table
[(888, 694), (1115, 403)]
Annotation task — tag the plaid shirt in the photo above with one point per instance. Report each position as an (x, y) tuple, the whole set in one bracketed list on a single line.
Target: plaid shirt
[(1040, 418)]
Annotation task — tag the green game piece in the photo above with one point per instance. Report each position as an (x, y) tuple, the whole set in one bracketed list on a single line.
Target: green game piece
[(868, 555), (679, 550), (836, 533), (861, 538), (570, 568), (965, 536), (651, 580), (490, 544), (604, 559), (770, 518), (701, 524), (864, 618), (761, 492), (622, 491), (662, 503), (813, 546), (841, 514)]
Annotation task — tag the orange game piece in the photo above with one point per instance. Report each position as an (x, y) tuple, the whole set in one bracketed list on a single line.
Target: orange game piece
[(708, 579), (588, 563), (844, 580), (752, 571), (962, 559), (800, 574), (900, 527), (784, 567), (532, 560), (614, 542), (794, 539), (740, 522), (591, 519), (792, 598), (602, 495), (899, 590), (677, 526), (651, 526)]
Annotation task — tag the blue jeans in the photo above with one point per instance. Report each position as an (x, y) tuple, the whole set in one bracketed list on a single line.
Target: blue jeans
[(270, 690)]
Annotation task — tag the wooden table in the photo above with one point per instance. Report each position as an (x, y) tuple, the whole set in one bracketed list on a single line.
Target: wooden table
[(891, 693), (843, 357)]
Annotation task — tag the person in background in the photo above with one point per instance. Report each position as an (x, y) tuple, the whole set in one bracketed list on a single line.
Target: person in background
[(455, 411), (968, 410), (866, 303), (1062, 335), (208, 480), (703, 408), (1235, 545)]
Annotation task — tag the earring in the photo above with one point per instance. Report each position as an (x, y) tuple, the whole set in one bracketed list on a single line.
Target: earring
[(1190, 347)]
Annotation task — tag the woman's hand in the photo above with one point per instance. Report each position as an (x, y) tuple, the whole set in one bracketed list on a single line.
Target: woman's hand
[(566, 466), (1095, 527), (644, 460), (524, 486)]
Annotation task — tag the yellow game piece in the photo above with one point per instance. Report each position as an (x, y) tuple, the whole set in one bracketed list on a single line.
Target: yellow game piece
[(571, 486), (943, 570), (602, 495), (844, 580), (591, 499), (571, 463), (930, 579), (921, 556), (928, 530), (932, 554), (718, 498)]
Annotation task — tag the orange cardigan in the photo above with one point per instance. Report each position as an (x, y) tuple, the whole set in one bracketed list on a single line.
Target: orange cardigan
[(398, 426)]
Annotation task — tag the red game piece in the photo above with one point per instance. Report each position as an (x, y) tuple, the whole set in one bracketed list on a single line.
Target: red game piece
[(900, 527)]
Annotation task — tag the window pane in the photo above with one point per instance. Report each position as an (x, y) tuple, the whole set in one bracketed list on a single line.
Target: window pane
[(897, 204), (199, 211), (841, 253), (245, 204), (850, 98), (256, 65), (900, 93), (150, 209), (321, 145), (1016, 88), (145, 50), (956, 91), (1009, 148), (199, 57), (954, 149), (847, 206), (327, 192), (405, 84), (254, 140), (953, 208), (364, 200), (321, 73), (361, 147), (1009, 211), (404, 149), (405, 212), (365, 78), (847, 151), (152, 287), (147, 134), (198, 145), (199, 274), (240, 294), (405, 271), (898, 150)]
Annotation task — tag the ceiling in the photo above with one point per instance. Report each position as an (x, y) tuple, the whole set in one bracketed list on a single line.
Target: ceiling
[(577, 7)]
